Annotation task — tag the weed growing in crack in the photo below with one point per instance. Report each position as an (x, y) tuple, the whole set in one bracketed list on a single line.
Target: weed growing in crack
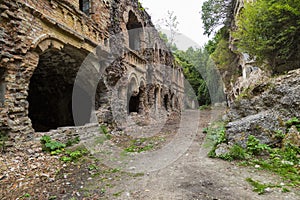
[(104, 130), (25, 196), (3, 139), (117, 194), (260, 188), (140, 145)]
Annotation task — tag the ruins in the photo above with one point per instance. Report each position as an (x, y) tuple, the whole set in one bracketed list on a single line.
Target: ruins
[(45, 43)]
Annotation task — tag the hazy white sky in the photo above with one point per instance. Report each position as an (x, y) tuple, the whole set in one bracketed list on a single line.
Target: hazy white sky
[(188, 15)]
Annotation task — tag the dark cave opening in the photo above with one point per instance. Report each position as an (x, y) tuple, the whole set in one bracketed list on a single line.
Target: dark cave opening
[(51, 88)]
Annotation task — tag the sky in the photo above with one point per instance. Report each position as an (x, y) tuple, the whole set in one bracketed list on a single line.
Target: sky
[(188, 15)]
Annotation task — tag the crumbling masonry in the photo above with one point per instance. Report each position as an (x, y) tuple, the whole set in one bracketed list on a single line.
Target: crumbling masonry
[(43, 45)]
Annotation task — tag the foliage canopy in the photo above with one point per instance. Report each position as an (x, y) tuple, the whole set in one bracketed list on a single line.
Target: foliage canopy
[(216, 13), (269, 30)]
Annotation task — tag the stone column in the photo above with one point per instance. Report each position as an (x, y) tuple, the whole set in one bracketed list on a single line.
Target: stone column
[(142, 100), (17, 80)]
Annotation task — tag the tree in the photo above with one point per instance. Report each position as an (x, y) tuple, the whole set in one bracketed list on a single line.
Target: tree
[(216, 13), (172, 46), (224, 58), (222, 55), (193, 61), (172, 24), (269, 31)]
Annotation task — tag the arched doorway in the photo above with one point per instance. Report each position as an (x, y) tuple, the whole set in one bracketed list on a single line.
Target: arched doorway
[(51, 88), (133, 96), (166, 101), (134, 103)]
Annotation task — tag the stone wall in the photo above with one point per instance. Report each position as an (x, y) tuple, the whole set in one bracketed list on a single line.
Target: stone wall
[(47, 44)]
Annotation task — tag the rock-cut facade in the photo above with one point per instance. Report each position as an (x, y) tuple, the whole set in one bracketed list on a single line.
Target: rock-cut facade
[(69, 62)]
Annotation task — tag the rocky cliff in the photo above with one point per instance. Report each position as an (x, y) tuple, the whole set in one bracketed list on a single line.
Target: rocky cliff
[(262, 110), (260, 105)]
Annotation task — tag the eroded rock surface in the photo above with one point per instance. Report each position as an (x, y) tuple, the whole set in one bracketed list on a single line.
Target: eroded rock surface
[(263, 110)]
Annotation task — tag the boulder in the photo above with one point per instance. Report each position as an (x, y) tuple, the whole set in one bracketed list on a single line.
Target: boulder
[(222, 149)]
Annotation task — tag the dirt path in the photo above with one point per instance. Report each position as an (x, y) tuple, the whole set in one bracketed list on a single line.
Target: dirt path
[(195, 176), (177, 169)]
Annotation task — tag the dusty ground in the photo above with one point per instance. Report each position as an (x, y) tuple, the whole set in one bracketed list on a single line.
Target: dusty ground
[(182, 171)]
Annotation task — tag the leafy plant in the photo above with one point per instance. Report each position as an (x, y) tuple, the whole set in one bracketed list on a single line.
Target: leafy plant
[(237, 152), (73, 141), (134, 148), (65, 159), (112, 170), (279, 134), (216, 13), (141, 8), (283, 162), (52, 198), (56, 148), (73, 155), (140, 145), (26, 195), (216, 135), (221, 137), (92, 167), (290, 153), (3, 139), (293, 121), (204, 107), (117, 194), (105, 131), (260, 188), (50, 145), (205, 130), (255, 147)]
